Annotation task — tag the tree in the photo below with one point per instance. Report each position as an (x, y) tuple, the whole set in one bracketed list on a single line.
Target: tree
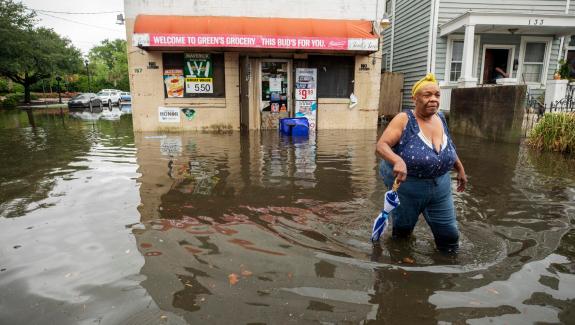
[(109, 61), (29, 54)]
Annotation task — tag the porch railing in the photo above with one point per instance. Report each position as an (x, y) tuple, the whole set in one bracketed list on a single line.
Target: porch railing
[(535, 109)]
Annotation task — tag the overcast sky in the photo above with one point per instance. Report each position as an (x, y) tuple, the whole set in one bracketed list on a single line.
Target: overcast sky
[(84, 31)]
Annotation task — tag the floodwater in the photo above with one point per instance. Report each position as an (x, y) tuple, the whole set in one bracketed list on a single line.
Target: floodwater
[(101, 226)]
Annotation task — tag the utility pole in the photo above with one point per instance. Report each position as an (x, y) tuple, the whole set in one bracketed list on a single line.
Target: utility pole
[(86, 62)]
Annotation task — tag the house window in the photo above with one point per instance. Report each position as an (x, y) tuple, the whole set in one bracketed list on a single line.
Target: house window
[(456, 60), (534, 62), (334, 75), (210, 84)]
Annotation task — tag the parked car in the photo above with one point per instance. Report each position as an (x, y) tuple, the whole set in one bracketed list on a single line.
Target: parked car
[(125, 99), (109, 96), (85, 100)]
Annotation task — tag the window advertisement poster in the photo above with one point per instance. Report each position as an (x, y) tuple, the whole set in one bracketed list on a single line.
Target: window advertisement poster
[(198, 69), (174, 82), (275, 84), (305, 95), (307, 109), (169, 114), (305, 84)]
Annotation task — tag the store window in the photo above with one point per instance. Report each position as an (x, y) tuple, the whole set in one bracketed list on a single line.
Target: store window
[(534, 62), (335, 75), (456, 60), (194, 75)]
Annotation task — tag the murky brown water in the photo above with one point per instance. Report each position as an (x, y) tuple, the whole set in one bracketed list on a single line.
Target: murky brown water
[(98, 226)]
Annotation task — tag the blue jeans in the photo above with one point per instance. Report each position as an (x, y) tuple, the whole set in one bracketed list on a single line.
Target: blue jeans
[(431, 197)]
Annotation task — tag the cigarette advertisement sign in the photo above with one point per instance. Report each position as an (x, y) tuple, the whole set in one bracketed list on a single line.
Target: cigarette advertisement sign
[(305, 95), (198, 69), (305, 84)]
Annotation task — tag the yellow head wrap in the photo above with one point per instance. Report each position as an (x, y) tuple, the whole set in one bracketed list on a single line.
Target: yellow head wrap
[(428, 79)]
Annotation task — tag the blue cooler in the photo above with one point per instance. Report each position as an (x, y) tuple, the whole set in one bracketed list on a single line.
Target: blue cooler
[(298, 126)]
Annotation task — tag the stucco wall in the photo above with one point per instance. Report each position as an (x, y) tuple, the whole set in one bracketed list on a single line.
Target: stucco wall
[(147, 94), (494, 113), (334, 113)]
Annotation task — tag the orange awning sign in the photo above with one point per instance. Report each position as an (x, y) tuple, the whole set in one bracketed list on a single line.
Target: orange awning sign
[(245, 32), (243, 41)]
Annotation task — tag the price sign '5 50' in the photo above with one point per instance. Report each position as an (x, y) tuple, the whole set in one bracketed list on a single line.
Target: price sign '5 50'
[(199, 86)]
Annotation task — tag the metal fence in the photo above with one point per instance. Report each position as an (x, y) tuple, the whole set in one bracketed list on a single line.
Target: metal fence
[(535, 109)]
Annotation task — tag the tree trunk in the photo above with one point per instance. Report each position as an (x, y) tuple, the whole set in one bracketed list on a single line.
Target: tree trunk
[(26, 89), (31, 117), (27, 92)]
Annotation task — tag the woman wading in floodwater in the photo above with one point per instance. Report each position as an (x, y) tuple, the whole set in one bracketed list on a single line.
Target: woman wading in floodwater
[(418, 151)]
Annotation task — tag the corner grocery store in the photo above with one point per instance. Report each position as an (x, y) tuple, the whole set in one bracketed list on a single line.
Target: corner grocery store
[(197, 72)]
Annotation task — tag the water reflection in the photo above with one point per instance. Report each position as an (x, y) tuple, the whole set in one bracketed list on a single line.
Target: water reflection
[(183, 228), (246, 221), (112, 114)]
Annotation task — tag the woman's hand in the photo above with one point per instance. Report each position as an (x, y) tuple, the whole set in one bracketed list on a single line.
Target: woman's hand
[(461, 180), (400, 170), (461, 176)]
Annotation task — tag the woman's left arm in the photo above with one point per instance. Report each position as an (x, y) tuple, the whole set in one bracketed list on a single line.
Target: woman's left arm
[(461, 176)]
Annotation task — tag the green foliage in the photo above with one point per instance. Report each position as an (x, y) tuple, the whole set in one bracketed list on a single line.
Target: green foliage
[(4, 86), (13, 100), (109, 65), (563, 69), (554, 132), (29, 54)]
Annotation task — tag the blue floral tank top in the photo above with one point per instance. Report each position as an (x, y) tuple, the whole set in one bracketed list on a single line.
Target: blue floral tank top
[(421, 159)]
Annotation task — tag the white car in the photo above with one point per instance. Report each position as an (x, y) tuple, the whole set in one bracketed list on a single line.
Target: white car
[(109, 97)]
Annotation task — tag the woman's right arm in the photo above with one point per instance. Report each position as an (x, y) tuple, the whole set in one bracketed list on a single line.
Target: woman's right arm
[(390, 137)]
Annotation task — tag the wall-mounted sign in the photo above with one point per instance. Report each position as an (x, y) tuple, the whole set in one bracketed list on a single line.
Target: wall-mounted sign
[(255, 41), (198, 69), (169, 114), (189, 113), (152, 65), (174, 82)]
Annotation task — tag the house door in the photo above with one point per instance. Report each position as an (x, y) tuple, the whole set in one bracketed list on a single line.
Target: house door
[(497, 63), (275, 93)]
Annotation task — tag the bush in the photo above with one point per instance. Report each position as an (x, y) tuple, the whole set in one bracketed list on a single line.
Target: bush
[(554, 132), (12, 100)]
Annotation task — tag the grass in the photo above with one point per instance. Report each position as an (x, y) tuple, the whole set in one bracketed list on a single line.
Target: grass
[(554, 132)]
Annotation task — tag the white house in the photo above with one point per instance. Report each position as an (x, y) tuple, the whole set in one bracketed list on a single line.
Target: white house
[(469, 43)]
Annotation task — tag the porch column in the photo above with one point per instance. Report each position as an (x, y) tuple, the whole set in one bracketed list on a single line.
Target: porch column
[(466, 80)]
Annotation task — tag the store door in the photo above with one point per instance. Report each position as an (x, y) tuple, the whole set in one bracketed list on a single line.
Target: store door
[(275, 92), (245, 76)]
